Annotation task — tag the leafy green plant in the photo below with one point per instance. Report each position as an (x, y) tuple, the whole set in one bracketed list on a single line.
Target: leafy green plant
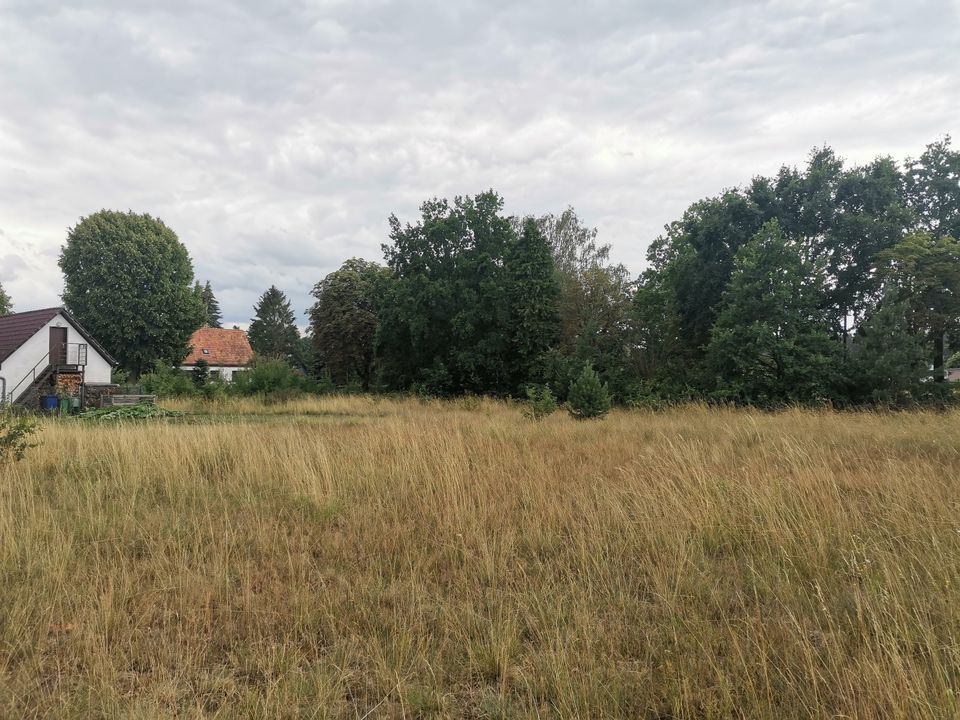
[(118, 413), (269, 377), (588, 397), (15, 432), (540, 402), (200, 373), (166, 382)]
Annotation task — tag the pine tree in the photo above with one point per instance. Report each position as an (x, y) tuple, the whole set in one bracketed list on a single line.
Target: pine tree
[(273, 331), (214, 317), (588, 397), (5, 304)]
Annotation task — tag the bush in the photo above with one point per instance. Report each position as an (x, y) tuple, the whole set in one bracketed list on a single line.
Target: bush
[(15, 432), (269, 377), (588, 397), (166, 382), (540, 402)]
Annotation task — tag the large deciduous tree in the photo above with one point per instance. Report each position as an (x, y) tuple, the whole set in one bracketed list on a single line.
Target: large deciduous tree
[(933, 189), (273, 329), (344, 321), (129, 281), (446, 317)]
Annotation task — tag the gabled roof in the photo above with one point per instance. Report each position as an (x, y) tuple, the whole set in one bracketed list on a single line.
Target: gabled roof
[(220, 348), (17, 328)]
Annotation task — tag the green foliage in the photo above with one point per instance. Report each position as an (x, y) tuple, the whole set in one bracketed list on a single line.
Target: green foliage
[(924, 270), (588, 396), (200, 373), (128, 280), (954, 360), (273, 330), (887, 363), (445, 319), (168, 382), (344, 321), (770, 344), (269, 377), (932, 189), (127, 413), (214, 318), (15, 432), (120, 376), (6, 307), (540, 402), (532, 289)]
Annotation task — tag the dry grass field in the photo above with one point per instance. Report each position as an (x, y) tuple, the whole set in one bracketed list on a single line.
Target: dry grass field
[(360, 558)]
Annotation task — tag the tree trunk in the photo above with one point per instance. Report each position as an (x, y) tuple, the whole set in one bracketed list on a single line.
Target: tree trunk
[(938, 356)]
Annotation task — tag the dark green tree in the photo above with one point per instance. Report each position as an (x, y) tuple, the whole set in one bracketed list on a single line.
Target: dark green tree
[(6, 307), (200, 373), (888, 359), (533, 293), (445, 323), (588, 397), (214, 317), (770, 344), (933, 189), (344, 321), (924, 271), (128, 280), (273, 330)]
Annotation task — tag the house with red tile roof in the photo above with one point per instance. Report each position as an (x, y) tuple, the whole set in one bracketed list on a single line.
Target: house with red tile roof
[(224, 351)]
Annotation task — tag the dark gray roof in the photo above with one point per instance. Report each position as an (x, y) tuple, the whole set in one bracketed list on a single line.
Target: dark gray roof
[(17, 328)]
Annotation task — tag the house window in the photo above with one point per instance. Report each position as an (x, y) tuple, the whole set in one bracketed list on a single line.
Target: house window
[(206, 352)]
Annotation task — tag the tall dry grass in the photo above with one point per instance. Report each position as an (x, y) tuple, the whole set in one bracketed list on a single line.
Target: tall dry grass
[(387, 559)]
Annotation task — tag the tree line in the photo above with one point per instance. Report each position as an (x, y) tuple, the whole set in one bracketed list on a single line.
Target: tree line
[(831, 283)]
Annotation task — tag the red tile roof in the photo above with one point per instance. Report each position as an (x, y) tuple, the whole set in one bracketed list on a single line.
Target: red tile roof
[(224, 348)]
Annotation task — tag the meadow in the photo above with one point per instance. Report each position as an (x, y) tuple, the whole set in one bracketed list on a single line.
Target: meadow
[(352, 557)]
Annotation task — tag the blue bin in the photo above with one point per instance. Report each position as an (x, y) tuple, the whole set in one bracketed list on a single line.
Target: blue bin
[(49, 403)]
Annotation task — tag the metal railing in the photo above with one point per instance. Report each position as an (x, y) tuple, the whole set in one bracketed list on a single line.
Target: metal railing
[(65, 354)]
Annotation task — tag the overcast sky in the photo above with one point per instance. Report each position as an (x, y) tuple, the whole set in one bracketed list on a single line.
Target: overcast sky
[(276, 137)]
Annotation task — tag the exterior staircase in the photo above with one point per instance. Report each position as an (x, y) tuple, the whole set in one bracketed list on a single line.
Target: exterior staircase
[(43, 379)]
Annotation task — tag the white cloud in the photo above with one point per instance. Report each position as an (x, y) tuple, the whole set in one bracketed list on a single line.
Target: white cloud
[(276, 138)]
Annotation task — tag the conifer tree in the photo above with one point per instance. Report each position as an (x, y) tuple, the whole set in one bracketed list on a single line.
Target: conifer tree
[(273, 331), (588, 397), (214, 316)]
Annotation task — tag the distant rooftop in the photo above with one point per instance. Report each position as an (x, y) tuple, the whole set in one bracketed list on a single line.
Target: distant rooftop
[(220, 348)]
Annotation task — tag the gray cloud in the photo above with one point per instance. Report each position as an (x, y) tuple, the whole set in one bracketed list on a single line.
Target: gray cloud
[(276, 138)]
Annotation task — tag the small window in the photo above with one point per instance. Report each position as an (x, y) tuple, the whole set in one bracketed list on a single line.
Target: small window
[(206, 352)]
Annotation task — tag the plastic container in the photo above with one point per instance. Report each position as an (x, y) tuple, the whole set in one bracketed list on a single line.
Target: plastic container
[(49, 403), (65, 406)]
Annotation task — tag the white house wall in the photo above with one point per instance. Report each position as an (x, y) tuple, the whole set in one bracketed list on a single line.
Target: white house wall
[(34, 350), (226, 371)]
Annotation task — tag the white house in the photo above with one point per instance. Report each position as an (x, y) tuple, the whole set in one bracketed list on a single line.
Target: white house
[(224, 352), (42, 349)]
